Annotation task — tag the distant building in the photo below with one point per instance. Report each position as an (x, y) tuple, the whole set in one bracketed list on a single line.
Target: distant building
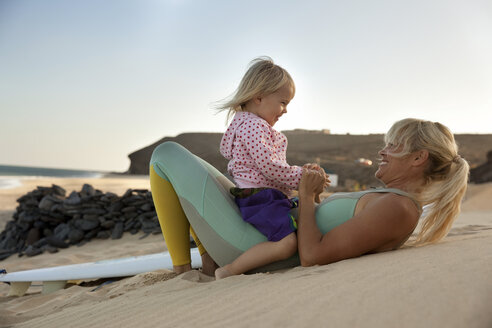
[(333, 177)]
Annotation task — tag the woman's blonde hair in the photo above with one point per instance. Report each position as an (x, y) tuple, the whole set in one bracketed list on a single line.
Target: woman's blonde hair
[(446, 176), (263, 77)]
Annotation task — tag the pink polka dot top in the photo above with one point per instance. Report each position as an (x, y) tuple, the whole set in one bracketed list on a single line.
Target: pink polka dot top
[(257, 155)]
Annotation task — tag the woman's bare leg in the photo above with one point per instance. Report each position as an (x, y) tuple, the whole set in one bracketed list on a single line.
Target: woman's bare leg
[(181, 268), (208, 265)]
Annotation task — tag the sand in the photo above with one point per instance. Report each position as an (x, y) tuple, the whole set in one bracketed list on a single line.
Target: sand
[(443, 285)]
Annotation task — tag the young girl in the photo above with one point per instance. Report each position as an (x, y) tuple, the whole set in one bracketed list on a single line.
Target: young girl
[(257, 163)]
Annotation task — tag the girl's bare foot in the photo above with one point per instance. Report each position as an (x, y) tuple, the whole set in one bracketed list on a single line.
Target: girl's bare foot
[(208, 265), (222, 273)]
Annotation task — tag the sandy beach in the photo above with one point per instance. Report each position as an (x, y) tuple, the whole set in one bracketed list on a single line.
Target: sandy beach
[(443, 285)]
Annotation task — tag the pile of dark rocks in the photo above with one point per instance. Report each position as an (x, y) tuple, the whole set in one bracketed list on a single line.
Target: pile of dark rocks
[(47, 220)]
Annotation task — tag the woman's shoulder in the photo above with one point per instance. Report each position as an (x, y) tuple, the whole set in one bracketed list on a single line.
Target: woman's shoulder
[(394, 206)]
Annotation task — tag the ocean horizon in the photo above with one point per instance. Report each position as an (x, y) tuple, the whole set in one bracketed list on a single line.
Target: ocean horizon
[(11, 175)]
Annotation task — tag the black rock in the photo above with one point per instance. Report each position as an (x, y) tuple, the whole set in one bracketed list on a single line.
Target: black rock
[(82, 243), (23, 226), (87, 190), (32, 251), (91, 234), (51, 219), (47, 202), (49, 249), (20, 244), (93, 211), (30, 202), (129, 209), (86, 224), (41, 243), (57, 190), (141, 191), (130, 215), (149, 226), (107, 224), (75, 235), (117, 231), (129, 225), (57, 209), (105, 234), (26, 217), (73, 199), (61, 231), (90, 217), (146, 207), (33, 236), (55, 242), (116, 207), (108, 197), (8, 242), (40, 225)]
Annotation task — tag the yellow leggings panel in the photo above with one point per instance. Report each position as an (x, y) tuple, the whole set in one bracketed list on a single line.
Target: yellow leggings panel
[(174, 225)]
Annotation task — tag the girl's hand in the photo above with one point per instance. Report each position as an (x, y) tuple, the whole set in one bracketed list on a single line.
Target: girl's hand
[(312, 166), (312, 183), (316, 167)]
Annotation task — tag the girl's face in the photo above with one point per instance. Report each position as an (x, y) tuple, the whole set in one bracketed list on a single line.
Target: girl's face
[(274, 105)]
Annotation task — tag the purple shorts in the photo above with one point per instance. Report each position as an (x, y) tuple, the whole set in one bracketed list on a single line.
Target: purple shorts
[(268, 210)]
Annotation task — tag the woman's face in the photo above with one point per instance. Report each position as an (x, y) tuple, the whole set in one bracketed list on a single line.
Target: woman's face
[(392, 168)]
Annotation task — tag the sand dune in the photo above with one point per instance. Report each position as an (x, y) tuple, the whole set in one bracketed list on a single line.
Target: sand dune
[(444, 285)]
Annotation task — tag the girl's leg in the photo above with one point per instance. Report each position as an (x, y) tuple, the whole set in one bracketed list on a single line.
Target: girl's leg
[(259, 255)]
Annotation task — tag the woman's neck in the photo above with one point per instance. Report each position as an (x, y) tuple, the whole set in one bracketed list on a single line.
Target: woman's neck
[(411, 187)]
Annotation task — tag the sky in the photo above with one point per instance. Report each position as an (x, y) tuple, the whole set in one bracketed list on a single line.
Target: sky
[(85, 83)]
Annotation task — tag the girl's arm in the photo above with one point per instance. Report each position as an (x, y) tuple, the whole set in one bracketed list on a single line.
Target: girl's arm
[(385, 220)]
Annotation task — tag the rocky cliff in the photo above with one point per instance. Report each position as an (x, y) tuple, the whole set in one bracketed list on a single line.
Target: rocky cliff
[(336, 153), (482, 173)]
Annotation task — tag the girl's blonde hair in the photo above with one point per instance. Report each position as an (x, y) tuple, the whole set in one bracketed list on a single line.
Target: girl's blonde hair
[(446, 176), (263, 77)]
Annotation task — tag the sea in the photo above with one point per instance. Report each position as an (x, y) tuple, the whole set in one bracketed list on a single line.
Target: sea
[(11, 175)]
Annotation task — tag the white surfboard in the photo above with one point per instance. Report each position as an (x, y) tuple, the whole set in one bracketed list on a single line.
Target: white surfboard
[(55, 278)]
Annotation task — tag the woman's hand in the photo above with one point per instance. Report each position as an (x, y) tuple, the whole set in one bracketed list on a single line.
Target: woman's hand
[(312, 184), (316, 167)]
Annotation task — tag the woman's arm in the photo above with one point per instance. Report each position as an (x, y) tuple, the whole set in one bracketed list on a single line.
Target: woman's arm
[(385, 220)]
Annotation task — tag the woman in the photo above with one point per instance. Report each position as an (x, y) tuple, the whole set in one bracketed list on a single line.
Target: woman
[(420, 165), (421, 159)]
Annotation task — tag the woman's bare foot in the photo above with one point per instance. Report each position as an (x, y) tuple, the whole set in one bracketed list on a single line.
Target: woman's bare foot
[(181, 268), (208, 265), (222, 273)]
